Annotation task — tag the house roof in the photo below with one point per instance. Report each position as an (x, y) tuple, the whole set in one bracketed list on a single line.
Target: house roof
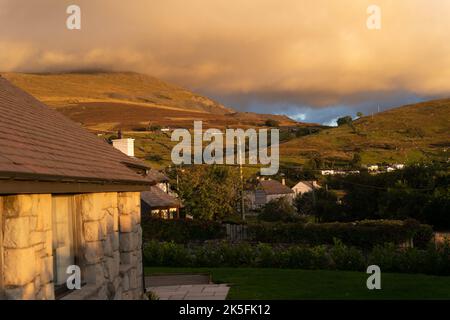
[(40, 144), (309, 184), (158, 199), (271, 187), (157, 176)]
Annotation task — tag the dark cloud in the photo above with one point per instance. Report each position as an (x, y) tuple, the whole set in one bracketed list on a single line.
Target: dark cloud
[(267, 54)]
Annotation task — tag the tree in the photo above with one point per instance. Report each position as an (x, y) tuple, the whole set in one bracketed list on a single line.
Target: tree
[(344, 120), (272, 123), (304, 202), (356, 161), (278, 210), (209, 192), (359, 114), (326, 206)]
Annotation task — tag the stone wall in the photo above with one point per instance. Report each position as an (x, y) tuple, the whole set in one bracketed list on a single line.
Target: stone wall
[(109, 240)]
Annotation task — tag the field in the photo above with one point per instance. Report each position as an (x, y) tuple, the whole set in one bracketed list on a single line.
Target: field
[(285, 284)]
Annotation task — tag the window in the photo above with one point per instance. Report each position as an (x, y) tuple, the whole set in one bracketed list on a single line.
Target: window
[(64, 240)]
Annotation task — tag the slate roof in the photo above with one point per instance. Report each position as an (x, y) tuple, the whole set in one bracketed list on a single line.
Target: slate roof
[(158, 199), (155, 175), (271, 187), (39, 143)]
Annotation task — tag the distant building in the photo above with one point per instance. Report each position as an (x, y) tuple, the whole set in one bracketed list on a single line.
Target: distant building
[(268, 190), (327, 172), (159, 204), (305, 187), (157, 200), (399, 166), (373, 168)]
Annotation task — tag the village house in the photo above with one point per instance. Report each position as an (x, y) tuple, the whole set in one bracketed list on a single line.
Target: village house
[(305, 187), (157, 201), (266, 191), (67, 199)]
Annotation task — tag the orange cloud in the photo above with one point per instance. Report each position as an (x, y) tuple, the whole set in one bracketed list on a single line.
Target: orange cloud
[(317, 52)]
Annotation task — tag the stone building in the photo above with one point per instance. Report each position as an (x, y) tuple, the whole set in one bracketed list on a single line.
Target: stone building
[(303, 187), (67, 199), (266, 191)]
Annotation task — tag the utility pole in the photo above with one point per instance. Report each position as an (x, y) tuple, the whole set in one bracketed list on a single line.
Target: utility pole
[(242, 178)]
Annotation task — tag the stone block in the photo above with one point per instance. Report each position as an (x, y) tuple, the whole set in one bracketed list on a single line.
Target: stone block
[(128, 258), (126, 223), (114, 238), (126, 282), (19, 266), (107, 247), (37, 237), (134, 282), (43, 208), (93, 252), (89, 207), (17, 232), (17, 206), (126, 242), (26, 292), (109, 224), (92, 231)]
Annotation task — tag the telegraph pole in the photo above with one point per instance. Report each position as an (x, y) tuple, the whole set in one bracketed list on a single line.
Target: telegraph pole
[(242, 178)]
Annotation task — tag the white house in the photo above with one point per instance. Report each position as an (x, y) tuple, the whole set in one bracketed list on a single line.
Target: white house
[(268, 190), (399, 166), (305, 187)]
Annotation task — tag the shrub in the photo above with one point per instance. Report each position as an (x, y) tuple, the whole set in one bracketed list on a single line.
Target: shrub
[(272, 123), (278, 210), (364, 234), (433, 260), (181, 231)]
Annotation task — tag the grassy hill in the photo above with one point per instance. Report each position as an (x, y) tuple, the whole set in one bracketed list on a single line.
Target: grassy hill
[(132, 102), (107, 101), (405, 134)]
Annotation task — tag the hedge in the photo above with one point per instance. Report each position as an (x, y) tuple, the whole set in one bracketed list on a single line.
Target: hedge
[(434, 260), (363, 234), (181, 230)]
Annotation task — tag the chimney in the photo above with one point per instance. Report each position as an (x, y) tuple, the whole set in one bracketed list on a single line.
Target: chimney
[(125, 145)]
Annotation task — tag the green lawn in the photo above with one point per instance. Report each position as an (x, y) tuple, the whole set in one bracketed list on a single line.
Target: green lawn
[(288, 284)]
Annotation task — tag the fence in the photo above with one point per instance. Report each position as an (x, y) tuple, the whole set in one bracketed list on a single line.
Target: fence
[(236, 232)]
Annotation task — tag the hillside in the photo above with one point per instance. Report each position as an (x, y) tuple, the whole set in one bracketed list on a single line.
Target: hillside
[(107, 101), (405, 134)]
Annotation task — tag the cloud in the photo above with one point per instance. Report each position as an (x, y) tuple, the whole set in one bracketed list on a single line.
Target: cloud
[(286, 54)]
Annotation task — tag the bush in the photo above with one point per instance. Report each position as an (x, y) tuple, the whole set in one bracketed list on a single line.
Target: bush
[(278, 210), (363, 234), (272, 123), (181, 231), (433, 260)]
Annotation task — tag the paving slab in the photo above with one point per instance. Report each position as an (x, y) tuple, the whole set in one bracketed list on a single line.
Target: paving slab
[(186, 287), (177, 279)]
